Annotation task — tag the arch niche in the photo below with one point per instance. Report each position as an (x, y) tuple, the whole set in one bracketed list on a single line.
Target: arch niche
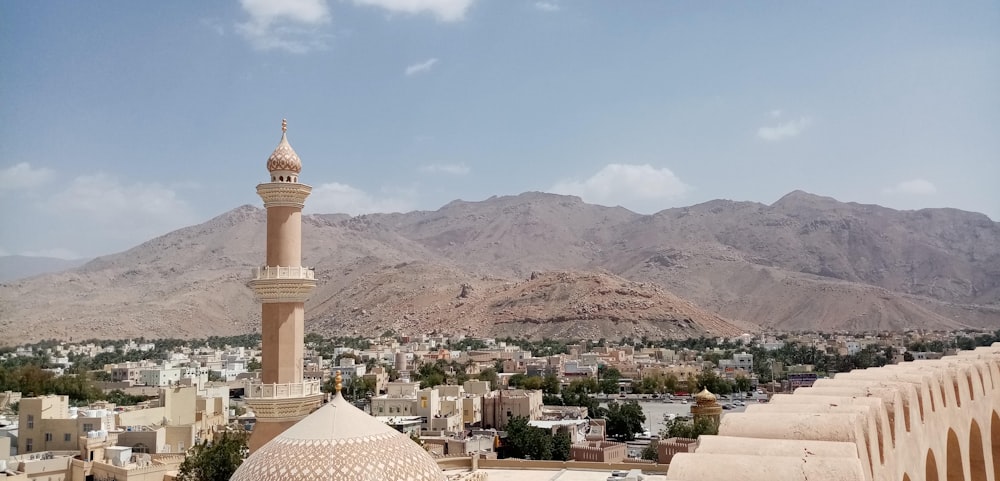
[(953, 458), (977, 456)]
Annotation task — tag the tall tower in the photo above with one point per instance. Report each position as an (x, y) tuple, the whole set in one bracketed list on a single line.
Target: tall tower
[(281, 398)]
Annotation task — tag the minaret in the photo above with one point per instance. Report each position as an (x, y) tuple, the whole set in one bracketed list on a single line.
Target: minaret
[(281, 398)]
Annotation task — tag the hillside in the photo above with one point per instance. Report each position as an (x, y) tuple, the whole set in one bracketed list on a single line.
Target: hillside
[(547, 265)]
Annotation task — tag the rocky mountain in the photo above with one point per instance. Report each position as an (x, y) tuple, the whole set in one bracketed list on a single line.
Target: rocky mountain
[(547, 265)]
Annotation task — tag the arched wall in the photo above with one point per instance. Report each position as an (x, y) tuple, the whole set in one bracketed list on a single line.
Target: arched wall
[(898, 422)]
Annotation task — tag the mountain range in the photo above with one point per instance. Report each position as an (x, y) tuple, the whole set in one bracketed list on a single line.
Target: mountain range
[(541, 264)]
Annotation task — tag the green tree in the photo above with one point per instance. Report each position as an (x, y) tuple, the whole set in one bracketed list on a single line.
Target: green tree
[(214, 461), (624, 420), (687, 428), (561, 444), (550, 384), (120, 398), (608, 379), (254, 365), (650, 451), (524, 441), (742, 383)]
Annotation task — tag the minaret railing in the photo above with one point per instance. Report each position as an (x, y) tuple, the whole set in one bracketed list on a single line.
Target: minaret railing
[(257, 390), (279, 272)]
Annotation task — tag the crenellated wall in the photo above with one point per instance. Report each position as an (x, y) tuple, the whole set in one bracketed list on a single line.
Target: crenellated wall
[(932, 420), (598, 451)]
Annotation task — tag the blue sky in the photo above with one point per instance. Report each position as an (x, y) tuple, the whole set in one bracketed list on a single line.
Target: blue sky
[(125, 120)]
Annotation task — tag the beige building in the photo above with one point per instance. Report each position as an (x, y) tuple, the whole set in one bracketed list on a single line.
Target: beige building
[(379, 375), (177, 420), (506, 404), (47, 423)]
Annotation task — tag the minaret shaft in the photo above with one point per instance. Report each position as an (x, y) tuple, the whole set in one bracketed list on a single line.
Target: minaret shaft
[(284, 236), (283, 324)]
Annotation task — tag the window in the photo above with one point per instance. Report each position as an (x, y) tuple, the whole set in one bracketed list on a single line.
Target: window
[(31, 421), (29, 445), (67, 437), (48, 437), (88, 427)]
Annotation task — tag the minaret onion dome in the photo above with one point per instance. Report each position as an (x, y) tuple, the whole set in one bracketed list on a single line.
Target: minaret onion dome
[(284, 164)]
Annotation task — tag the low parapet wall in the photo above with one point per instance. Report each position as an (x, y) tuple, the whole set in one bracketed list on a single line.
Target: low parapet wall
[(554, 465), (932, 420)]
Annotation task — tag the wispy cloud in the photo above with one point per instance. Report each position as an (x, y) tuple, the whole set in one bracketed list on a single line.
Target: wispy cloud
[(24, 176), (337, 198), (643, 188), (290, 25), (548, 6), (443, 10), (453, 169), (104, 203), (783, 130), (911, 187), (421, 67)]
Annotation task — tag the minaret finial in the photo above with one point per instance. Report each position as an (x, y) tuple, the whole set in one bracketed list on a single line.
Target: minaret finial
[(284, 125), (338, 382)]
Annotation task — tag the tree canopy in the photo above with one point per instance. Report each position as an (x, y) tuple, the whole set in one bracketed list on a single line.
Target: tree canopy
[(215, 461), (527, 442), (624, 420)]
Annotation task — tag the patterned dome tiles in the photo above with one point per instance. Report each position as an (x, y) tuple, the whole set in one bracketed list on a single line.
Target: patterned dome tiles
[(339, 442), (284, 158)]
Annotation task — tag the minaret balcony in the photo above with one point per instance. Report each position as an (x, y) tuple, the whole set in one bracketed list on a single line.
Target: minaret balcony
[(279, 272), (283, 194), (276, 284), (258, 390), (287, 401)]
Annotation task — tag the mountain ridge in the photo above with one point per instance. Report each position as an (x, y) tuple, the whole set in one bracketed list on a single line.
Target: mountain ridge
[(802, 262)]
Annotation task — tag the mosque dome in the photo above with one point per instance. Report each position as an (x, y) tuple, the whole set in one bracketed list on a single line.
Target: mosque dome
[(339, 442), (284, 162), (704, 397)]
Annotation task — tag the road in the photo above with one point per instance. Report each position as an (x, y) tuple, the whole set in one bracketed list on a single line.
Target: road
[(656, 409)]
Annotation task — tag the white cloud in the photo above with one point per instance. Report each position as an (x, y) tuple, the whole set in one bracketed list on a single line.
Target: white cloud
[(421, 67), (132, 212), (547, 6), (454, 169), (24, 176), (443, 10), (775, 113), (912, 187), (638, 187), (337, 198), (291, 25), (784, 130)]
